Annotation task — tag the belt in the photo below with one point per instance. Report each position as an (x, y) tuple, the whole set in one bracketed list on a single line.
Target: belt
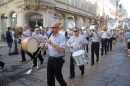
[(95, 42), (51, 57)]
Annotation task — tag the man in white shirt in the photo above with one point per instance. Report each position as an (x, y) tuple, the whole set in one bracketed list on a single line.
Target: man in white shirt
[(26, 33), (96, 35), (104, 36), (61, 30)]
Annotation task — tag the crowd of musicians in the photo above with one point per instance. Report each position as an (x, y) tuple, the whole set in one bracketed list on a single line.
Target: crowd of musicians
[(54, 39)]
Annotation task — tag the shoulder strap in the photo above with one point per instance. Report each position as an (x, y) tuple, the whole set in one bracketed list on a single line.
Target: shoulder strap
[(77, 42)]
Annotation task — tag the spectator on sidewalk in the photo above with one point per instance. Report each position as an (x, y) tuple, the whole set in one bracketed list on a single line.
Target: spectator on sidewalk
[(9, 39)]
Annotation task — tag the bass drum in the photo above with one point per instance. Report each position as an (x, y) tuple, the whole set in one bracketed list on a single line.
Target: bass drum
[(29, 44)]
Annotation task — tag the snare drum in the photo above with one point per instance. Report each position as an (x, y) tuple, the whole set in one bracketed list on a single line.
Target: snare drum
[(80, 57), (29, 44)]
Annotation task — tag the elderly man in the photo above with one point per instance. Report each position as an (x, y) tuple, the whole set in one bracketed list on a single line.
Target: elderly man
[(56, 48)]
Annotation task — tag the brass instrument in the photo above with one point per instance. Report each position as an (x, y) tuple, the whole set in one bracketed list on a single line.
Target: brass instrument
[(18, 32), (111, 24)]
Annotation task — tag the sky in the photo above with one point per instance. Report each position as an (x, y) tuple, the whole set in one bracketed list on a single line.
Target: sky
[(126, 4)]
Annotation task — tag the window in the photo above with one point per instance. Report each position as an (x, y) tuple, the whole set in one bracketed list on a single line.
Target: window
[(4, 1)]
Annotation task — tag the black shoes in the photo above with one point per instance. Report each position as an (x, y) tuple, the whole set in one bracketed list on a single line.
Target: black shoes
[(82, 72), (23, 60), (71, 77), (92, 63), (34, 66), (97, 60), (42, 61), (2, 66)]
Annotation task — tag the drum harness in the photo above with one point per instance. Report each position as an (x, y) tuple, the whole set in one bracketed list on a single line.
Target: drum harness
[(76, 40)]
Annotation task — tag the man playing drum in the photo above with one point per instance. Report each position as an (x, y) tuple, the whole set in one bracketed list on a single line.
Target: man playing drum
[(26, 33), (76, 42)]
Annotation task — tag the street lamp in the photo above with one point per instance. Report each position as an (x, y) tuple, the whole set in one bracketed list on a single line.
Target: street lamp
[(33, 4)]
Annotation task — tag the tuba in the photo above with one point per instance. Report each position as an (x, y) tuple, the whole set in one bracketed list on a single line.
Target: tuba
[(18, 32), (111, 24)]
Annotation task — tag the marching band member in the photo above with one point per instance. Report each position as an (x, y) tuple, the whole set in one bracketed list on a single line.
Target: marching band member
[(104, 36), (73, 44), (96, 35), (61, 30), (26, 33), (87, 31), (46, 33), (109, 40), (40, 39), (56, 48)]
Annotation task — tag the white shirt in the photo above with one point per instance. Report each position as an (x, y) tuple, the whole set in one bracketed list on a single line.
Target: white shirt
[(59, 40), (86, 33), (39, 37), (62, 32), (95, 37), (48, 32), (104, 34), (26, 32), (13, 35), (80, 38)]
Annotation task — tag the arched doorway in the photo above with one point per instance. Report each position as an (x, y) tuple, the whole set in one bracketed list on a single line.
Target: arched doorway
[(4, 23), (71, 22), (13, 19), (58, 17), (35, 19)]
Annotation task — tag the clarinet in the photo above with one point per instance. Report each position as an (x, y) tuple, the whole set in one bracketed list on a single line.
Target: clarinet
[(43, 46)]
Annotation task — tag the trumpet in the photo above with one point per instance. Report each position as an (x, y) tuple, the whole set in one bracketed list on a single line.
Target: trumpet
[(93, 30)]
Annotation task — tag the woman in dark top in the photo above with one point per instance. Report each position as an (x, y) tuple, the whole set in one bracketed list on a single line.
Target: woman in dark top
[(9, 39)]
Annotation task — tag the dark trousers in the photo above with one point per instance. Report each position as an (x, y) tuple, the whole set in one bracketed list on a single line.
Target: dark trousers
[(87, 45), (128, 45), (23, 55), (35, 58), (109, 44), (54, 69), (1, 63), (103, 45), (94, 48), (15, 46), (72, 66)]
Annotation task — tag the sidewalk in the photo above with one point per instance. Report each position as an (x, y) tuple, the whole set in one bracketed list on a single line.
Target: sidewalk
[(112, 70), (3, 44)]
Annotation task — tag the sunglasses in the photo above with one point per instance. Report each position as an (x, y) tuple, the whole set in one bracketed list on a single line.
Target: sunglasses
[(96, 27), (75, 30), (53, 27)]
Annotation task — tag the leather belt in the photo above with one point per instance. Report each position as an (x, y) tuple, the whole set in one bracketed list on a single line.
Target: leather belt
[(51, 57)]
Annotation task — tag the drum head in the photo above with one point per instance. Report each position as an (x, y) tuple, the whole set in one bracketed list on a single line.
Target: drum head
[(78, 52), (32, 45)]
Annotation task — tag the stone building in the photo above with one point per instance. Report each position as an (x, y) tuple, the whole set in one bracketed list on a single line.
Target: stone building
[(68, 13)]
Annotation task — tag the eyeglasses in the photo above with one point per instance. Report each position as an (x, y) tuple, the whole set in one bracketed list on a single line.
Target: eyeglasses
[(75, 30), (96, 27), (53, 27)]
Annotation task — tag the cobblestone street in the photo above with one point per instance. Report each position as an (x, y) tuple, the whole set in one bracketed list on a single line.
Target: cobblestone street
[(112, 69)]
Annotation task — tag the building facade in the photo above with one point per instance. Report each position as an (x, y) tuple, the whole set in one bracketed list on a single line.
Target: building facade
[(69, 13)]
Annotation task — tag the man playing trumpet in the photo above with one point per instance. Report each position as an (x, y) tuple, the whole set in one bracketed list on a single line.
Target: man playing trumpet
[(96, 35)]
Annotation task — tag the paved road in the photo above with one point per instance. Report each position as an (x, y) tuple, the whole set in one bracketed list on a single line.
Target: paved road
[(113, 69)]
